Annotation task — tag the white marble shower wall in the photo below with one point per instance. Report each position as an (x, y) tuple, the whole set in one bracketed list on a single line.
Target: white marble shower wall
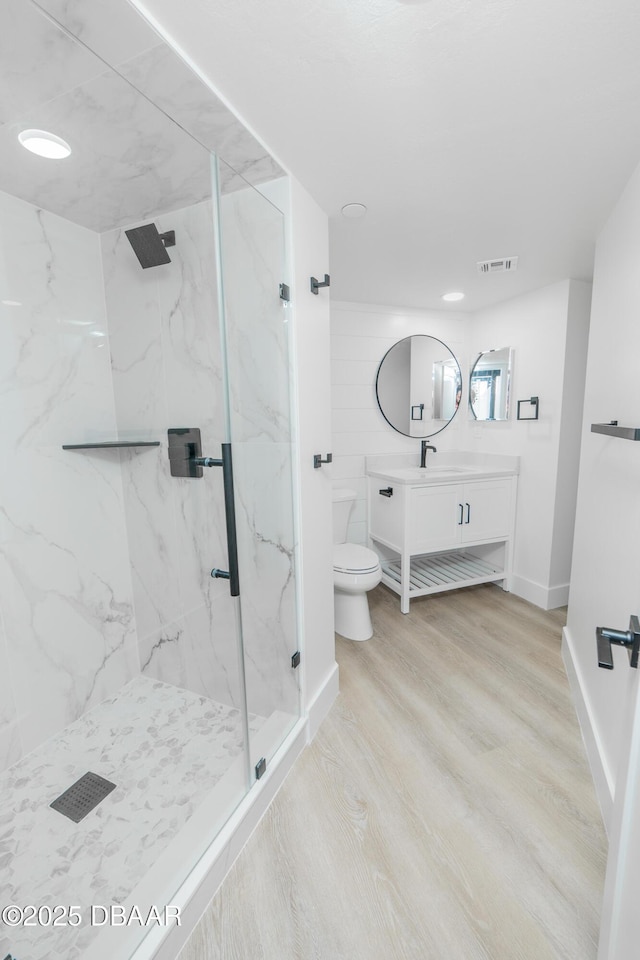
[(106, 559), (167, 372), (65, 584), (259, 351)]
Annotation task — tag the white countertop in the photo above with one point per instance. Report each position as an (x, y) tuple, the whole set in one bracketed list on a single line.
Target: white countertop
[(458, 466)]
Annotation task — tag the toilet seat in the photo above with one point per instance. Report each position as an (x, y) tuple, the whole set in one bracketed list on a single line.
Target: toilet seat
[(353, 558)]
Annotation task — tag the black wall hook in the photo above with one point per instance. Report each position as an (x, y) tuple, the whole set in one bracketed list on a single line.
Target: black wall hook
[(315, 284)]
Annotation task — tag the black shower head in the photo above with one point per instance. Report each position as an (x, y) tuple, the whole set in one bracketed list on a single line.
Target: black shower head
[(149, 245)]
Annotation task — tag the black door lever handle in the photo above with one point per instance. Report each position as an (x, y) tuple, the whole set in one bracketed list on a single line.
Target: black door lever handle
[(630, 638)]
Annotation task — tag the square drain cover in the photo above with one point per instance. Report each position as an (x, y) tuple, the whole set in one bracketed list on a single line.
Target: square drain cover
[(82, 796)]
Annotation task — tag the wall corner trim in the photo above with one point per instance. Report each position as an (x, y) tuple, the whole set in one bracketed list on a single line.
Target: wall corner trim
[(545, 597), (322, 702)]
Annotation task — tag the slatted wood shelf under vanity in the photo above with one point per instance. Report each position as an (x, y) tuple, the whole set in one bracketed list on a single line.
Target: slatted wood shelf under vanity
[(433, 573)]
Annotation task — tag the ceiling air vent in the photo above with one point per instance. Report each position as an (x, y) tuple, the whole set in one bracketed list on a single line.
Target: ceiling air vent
[(498, 266)]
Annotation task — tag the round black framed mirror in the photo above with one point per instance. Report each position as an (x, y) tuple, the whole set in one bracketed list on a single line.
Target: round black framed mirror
[(418, 386)]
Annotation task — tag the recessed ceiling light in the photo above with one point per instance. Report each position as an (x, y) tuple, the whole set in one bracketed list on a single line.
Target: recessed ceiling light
[(354, 210), (44, 144), (454, 295)]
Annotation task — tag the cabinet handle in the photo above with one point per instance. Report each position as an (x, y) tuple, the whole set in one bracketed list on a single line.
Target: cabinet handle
[(387, 492), (468, 506), (461, 514)]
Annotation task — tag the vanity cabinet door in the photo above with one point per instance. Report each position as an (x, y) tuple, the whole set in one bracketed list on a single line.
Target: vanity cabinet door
[(486, 510), (435, 518)]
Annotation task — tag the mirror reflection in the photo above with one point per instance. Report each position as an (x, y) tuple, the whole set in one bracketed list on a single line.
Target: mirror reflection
[(418, 386), (489, 385)]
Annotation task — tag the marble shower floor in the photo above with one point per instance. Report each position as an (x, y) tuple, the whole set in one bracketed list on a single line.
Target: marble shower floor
[(165, 748)]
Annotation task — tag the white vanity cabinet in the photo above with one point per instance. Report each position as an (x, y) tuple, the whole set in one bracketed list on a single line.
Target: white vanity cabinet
[(444, 516), (447, 531)]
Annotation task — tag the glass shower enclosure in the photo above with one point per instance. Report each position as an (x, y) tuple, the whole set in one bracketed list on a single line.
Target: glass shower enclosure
[(142, 691)]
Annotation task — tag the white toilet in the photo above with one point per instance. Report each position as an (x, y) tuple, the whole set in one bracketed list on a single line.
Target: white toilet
[(356, 569)]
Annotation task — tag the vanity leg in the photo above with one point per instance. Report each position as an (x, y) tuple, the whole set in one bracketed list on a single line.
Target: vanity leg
[(405, 568)]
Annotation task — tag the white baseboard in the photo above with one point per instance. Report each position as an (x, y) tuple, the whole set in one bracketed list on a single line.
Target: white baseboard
[(548, 598), (323, 701), (599, 771), (558, 597)]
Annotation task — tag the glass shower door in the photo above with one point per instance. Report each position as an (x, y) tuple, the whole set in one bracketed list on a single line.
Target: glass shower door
[(258, 346)]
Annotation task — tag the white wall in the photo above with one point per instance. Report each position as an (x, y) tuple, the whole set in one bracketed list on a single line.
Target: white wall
[(360, 336), (548, 330), (575, 371), (605, 582), (310, 257)]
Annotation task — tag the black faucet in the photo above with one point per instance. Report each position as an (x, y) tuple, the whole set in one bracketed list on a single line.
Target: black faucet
[(424, 446)]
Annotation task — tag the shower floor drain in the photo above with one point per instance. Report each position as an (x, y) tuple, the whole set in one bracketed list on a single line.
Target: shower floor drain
[(82, 796)]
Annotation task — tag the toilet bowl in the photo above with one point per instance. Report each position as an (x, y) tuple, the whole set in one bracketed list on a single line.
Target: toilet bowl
[(356, 569)]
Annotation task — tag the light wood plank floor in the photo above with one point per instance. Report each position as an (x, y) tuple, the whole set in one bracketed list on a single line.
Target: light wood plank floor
[(445, 810)]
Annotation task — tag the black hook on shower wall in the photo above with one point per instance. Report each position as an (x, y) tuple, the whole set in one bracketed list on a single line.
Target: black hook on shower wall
[(149, 245), (315, 284)]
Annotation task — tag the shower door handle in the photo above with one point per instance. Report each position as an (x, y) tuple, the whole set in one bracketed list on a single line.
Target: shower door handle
[(230, 516), (232, 574)]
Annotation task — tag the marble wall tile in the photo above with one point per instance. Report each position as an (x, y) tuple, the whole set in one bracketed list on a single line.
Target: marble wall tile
[(252, 233), (164, 77), (258, 349), (199, 652), (129, 161), (266, 544), (135, 337), (27, 41), (187, 297), (123, 38), (10, 748), (154, 553), (167, 372), (111, 28), (65, 586), (129, 158)]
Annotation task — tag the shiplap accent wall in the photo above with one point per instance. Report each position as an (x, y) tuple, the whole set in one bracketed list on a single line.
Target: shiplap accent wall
[(360, 336)]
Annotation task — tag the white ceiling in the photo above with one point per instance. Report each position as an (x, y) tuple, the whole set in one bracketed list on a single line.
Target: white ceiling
[(471, 129)]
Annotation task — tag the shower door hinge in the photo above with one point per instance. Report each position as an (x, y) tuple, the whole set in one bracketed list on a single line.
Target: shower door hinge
[(284, 292), (295, 659), (261, 766)]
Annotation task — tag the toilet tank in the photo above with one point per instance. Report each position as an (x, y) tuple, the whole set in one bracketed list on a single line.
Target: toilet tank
[(342, 502)]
